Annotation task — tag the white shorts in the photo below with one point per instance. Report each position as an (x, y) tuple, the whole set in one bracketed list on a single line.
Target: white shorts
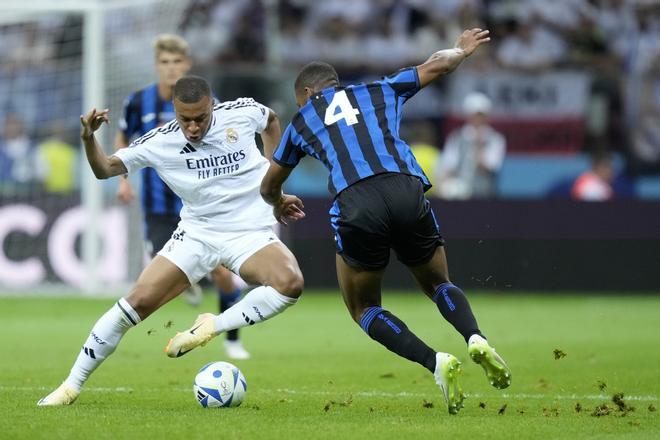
[(198, 252)]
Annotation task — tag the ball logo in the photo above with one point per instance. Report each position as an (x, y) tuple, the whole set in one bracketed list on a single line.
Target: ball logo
[(232, 135)]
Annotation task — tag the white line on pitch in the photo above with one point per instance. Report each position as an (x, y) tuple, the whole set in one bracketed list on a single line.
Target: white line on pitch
[(364, 393), (474, 395)]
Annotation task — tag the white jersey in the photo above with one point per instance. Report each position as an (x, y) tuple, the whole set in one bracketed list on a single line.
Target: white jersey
[(217, 178)]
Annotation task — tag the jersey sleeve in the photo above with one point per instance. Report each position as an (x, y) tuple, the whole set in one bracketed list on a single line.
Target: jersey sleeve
[(405, 82), (290, 150), (139, 154), (129, 123), (257, 113)]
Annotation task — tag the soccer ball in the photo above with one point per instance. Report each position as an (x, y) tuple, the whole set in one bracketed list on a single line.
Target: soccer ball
[(219, 385)]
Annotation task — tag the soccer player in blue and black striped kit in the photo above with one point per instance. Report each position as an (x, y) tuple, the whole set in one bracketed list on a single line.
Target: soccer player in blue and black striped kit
[(379, 203), (144, 110)]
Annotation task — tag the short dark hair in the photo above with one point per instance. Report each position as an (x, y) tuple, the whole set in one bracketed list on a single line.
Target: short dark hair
[(316, 75), (191, 89)]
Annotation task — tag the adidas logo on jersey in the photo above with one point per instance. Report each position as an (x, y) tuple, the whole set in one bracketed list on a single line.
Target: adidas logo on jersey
[(187, 149)]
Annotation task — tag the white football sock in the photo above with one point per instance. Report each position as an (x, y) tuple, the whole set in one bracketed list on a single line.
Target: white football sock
[(475, 338), (102, 341), (258, 305)]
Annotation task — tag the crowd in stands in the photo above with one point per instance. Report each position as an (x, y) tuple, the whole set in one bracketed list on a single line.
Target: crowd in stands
[(616, 41)]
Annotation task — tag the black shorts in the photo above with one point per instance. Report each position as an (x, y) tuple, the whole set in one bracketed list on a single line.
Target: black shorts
[(158, 230), (382, 212)]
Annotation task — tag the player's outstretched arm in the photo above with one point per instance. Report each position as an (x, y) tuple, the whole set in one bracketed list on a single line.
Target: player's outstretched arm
[(285, 206), (102, 165), (125, 191), (271, 134), (445, 61)]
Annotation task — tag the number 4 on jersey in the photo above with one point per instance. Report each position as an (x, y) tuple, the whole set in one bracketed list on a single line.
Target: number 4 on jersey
[(346, 111)]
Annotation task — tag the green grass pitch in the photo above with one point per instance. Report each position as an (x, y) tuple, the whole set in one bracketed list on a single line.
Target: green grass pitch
[(315, 375)]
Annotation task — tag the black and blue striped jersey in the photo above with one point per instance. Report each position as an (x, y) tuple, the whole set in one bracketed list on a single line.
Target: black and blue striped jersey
[(145, 110), (354, 131)]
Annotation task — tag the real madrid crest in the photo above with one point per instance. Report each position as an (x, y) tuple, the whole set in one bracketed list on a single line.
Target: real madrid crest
[(232, 135)]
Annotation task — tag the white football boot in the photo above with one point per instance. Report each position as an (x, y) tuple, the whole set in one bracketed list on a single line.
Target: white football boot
[(202, 331), (235, 350), (447, 372), (497, 372), (63, 395)]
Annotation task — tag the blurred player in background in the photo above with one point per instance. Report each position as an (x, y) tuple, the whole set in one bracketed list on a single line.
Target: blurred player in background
[(379, 203), (209, 157), (144, 110)]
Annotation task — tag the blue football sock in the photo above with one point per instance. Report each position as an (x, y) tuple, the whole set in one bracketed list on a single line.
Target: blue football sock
[(385, 328), (455, 308)]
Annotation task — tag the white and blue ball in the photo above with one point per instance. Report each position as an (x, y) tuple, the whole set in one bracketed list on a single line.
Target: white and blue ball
[(219, 385)]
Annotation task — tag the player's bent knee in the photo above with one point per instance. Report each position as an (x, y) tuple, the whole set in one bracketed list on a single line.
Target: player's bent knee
[(142, 302), (289, 283)]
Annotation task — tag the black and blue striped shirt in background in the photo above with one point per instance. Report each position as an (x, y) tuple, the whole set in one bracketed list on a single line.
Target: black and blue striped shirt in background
[(354, 131), (145, 110)]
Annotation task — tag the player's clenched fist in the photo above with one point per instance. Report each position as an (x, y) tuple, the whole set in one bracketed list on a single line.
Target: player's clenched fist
[(470, 39), (92, 121)]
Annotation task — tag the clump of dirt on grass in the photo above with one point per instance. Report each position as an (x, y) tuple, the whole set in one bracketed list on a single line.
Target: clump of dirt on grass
[(330, 403), (620, 409), (559, 354), (578, 407), (652, 408), (502, 410), (602, 410), (621, 405), (482, 405), (554, 412), (427, 404), (601, 385)]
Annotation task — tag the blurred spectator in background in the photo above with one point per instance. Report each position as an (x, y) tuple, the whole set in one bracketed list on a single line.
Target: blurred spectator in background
[(530, 46), (473, 154), (646, 129), (247, 44), (211, 26), (60, 159), (297, 43), (388, 46), (422, 143), (643, 90), (21, 163), (595, 185)]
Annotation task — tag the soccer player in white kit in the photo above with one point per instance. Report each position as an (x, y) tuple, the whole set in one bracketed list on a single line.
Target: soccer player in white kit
[(209, 158)]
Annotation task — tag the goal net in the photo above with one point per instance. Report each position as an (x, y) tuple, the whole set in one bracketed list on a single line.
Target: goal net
[(62, 230)]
